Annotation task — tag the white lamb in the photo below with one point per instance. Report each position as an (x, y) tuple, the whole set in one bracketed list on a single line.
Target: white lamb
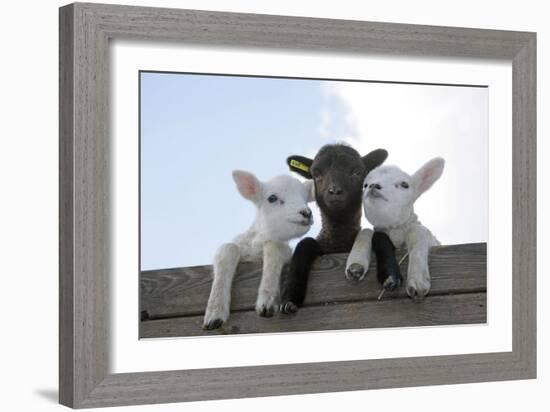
[(282, 214), (388, 199)]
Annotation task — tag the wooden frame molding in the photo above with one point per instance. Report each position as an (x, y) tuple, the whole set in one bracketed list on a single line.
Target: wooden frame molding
[(85, 31)]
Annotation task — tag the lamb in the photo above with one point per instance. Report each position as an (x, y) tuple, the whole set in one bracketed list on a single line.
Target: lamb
[(282, 214), (337, 172), (388, 201)]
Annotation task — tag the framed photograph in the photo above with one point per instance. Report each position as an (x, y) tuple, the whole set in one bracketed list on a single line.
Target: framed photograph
[(280, 188)]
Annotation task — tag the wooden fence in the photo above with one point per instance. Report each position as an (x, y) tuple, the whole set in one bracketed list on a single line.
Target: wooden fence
[(173, 300)]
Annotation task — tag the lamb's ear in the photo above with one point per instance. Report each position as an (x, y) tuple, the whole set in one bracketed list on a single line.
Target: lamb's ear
[(427, 175), (374, 159), (249, 186), (300, 165), (310, 187)]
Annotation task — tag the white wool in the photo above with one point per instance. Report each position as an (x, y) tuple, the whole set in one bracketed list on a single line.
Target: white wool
[(388, 202), (266, 240)]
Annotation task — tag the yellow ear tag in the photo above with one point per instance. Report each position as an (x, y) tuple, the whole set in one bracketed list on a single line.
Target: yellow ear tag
[(299, 165)]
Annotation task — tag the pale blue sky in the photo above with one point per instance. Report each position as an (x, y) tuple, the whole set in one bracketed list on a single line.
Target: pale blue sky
[(196, 129)]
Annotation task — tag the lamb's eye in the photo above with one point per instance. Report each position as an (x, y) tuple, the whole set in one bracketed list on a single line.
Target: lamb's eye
[(365, 185), (272, 198), (404, 185)]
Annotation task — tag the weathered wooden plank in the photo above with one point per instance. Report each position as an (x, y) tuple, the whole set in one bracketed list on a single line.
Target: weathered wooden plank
[(435, 310), (184, 291)]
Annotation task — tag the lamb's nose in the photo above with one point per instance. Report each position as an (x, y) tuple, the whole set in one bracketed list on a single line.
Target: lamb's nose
[(334, 190), (375, 186), (306, 213)]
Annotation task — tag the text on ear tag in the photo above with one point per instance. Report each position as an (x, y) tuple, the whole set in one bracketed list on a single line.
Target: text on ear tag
[(299, 165)]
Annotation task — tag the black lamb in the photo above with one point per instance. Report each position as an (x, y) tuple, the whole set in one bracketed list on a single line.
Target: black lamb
[(338, 172)]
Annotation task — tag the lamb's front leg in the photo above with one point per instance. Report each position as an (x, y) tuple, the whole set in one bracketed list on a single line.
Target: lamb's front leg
[(387, 267), (358, 261), (225, 264), (275, 255), (419, 242), (294, 290)]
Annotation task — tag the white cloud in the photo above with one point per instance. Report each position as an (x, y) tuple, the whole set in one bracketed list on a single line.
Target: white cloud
[(416, 123)]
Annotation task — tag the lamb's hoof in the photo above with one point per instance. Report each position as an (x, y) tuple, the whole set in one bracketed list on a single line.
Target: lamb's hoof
[(418, 286), (288, 308), (267, 304), (213, 324), (392, 283), (417, 293), (355, 271), (266, 311)]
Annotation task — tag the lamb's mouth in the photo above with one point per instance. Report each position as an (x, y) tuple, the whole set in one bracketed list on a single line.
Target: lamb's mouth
[(375, 194), (335, 204), (308, 222)]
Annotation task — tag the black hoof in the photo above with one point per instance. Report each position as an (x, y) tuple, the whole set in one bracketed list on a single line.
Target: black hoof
[(356, 272), (392, 282), (213, 324), (288, 308), (266, 311), (414, 295)]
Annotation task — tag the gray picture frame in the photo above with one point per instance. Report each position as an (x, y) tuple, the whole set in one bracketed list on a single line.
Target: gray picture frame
[(85, 32)]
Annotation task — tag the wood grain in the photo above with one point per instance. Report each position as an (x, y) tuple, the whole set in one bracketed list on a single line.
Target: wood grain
[(185, 291), (434, 310), (66, 205), (85, 33), (524, 205), (304, 33)]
